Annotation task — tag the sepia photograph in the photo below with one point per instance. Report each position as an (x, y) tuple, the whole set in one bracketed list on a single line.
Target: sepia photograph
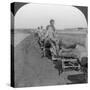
[(49, 44)]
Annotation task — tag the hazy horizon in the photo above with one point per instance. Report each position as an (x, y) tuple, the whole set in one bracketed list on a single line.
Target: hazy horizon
[(34, 15)]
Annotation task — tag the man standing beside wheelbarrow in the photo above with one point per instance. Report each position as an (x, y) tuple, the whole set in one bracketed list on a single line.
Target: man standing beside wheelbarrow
[(50, 37), (52, 43)]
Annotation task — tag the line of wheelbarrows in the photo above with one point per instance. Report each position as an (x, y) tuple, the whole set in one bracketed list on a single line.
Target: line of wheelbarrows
[(66, 60)]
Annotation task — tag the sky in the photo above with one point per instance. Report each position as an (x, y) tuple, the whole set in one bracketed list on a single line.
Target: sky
[(34, 15)]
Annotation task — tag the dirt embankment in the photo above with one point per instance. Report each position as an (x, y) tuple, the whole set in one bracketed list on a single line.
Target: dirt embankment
[(30, 68)]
